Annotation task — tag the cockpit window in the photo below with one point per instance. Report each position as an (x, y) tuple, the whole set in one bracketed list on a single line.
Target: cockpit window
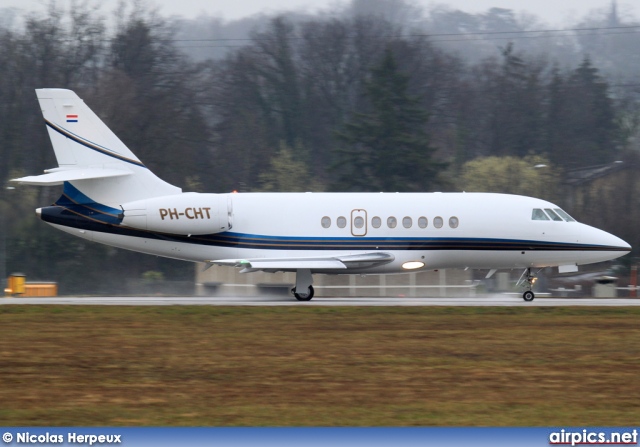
[(538, 214), (553, 215), (564, 215)]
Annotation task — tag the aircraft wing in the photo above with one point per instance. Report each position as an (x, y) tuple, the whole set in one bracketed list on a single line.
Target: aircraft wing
[(338, 262)]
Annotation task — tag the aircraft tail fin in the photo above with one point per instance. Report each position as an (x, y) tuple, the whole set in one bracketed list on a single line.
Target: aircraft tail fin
[(90, 156)]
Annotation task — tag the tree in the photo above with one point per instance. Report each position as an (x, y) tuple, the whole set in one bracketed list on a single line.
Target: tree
[(286, 174), (514, 103), (147, 96), (582, 126), (243, 127), (387, 148), (530, 176), (336, 57), (398, 12), (259, 103)]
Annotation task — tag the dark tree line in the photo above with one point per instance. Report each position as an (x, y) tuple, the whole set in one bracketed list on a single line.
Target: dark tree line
[(311, 86), (387, 148), (324, 103)]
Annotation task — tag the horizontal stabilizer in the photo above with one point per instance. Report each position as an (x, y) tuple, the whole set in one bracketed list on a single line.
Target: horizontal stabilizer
[(59, 176), (340, 262)]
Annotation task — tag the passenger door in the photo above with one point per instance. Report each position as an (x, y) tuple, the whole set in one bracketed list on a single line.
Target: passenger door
[(359, 222)]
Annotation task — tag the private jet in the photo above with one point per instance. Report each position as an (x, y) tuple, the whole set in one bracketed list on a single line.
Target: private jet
[(109, 196)]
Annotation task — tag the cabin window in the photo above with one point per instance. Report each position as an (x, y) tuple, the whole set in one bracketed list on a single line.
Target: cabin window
[(438, 222), (552, 214), (453, 222), (407, 222), (564, 215), (538, 214), (326, 222), (392, 222), (423, 222), (376, 222), (358, 222), (341, 222)]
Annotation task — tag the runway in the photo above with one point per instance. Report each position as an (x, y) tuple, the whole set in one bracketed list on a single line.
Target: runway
[(497, 300)]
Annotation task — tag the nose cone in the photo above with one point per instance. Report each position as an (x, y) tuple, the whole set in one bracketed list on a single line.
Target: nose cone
[(39, 211), (616, 243), (624, 246), (608, 246)]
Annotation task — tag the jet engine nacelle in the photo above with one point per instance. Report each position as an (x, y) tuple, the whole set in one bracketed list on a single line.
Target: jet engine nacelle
[(184, 214)]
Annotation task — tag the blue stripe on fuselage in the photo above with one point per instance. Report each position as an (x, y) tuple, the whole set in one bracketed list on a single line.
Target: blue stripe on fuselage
[(72, 217), (81, 205)]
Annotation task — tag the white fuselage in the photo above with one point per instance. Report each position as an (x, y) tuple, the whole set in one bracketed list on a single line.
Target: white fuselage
[(479, 230)]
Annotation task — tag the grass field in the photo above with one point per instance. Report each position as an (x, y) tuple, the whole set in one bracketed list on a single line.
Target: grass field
[(239, 366)]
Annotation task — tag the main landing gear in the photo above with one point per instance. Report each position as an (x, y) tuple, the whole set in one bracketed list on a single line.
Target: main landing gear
[(303, 291), (303, 296), (527, 280)]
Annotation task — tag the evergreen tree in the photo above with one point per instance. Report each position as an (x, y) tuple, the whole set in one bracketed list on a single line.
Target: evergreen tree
[(387, 148), (582, 128), (514, 106), (556, 138), (596, 128)]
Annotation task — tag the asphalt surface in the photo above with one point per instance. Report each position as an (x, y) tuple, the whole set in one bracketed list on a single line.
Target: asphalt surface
[(498, 300)]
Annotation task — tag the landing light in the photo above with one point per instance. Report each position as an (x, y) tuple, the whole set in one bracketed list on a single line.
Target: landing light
[(412, 265)]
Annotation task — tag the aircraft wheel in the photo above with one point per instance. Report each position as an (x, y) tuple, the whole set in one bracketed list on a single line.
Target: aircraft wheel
[(528, 295), (303, 296)]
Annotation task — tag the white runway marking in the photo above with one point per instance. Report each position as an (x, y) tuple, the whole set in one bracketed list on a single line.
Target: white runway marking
[(499, 300)]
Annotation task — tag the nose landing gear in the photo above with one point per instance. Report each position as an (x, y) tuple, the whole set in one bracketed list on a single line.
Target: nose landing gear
[(527, 280)]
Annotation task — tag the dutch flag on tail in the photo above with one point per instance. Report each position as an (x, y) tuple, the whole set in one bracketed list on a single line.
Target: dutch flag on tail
[(72, 118)]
